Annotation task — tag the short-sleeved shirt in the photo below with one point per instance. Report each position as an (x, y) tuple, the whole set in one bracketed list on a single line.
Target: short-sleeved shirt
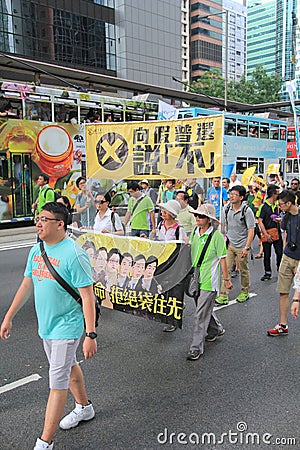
[(87, 217), (186, 219), (106, 222), (139, 219), (264, 213), (237, 224), (46, 194), (291, 224), (213, 197), (210, 267), (59, 315)]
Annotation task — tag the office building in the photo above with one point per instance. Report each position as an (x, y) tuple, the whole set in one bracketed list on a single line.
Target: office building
[(234, 40), (139, 40), (261, 35)]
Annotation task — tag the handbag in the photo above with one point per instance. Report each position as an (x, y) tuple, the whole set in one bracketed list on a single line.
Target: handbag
[(192, 283), (273, 232), (65, 285)]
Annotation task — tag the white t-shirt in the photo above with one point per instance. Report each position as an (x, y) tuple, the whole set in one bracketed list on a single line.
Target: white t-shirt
[(106, 223)]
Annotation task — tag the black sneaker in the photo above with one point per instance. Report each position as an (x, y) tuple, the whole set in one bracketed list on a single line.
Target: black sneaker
[(213, 338), (193, 355), (169, 328), (266, 276)]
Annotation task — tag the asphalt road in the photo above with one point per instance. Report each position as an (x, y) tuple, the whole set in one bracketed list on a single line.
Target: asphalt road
[(244, 391)]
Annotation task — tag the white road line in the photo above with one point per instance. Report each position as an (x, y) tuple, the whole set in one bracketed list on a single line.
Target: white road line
[(16, 246), (18, 383), (232, 302)]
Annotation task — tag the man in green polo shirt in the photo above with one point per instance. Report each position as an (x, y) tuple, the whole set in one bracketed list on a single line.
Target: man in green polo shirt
[(139, 207), (46, 194)]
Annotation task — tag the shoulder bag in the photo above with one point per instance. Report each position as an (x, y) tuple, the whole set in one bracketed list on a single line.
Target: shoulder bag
[(192, 285), (64, 284)]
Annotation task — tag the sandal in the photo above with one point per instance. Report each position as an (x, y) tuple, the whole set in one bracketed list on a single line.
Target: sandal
[(258, 256)]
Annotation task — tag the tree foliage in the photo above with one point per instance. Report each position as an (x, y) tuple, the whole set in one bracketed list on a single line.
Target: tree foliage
[(260, 88)]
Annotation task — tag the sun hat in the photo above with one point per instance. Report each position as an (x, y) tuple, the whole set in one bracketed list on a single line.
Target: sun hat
[(172, 207), (207, 210)]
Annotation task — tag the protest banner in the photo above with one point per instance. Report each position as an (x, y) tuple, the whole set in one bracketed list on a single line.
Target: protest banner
[(159, 149), (138, 276)]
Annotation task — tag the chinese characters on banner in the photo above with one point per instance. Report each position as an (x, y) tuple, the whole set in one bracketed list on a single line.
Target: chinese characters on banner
[(160, 149), (138, 276)]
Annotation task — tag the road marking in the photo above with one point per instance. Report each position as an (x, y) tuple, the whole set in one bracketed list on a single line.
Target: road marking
[(16, 246), (18, 383), (232, 302)]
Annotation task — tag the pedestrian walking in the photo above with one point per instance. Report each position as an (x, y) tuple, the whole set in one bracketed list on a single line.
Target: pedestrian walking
[(207, 325), (60, 318), (139, 206), (169, 229), (217, 195), (106, 220), (238, 223), (46, 194), (270, 230), (290, 224), (85, 204)]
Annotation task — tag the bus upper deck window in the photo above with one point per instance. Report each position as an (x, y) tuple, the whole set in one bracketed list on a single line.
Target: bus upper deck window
[(241, 130), (264, 131), (230, 129), (253, 132)]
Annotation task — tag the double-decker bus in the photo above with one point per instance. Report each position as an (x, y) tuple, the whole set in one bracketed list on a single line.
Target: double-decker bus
[(292, 159), (248, 140), (42, 131)]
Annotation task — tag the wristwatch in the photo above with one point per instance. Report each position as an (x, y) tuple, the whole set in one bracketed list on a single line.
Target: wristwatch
[(247, 248), (91, 335)]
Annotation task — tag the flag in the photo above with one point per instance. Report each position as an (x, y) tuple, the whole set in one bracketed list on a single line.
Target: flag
[(166, 111), (248, 175), (290, 86)]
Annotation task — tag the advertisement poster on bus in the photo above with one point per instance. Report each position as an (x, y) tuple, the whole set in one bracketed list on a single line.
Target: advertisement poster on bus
[(135, 150), (28, 148), (138, 276)]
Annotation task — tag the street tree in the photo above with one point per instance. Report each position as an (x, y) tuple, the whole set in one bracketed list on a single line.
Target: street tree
[(259, 88)]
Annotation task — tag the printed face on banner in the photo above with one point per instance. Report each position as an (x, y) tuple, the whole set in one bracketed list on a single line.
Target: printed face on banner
[(133, 150)]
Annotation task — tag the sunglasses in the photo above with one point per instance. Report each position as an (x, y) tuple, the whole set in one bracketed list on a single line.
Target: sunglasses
[(101, 201), (200, 216)]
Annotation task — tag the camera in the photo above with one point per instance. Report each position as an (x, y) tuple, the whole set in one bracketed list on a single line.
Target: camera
[(292, 246)]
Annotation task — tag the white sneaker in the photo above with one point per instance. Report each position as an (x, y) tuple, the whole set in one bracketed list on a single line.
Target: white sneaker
[(40, 445), (77, 415)]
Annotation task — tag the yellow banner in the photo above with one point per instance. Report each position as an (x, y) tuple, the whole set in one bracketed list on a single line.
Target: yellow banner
[(161, 149)]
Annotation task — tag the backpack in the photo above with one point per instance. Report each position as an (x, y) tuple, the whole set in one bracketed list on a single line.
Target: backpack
[(176, 231), (164, 196), (56, 194), (193, 199), (113, 222), (243, 212)]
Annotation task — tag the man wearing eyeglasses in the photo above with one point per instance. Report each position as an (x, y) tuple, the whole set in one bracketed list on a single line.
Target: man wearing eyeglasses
[(290, 224), (60, 318), (238, 223), (295, 189)]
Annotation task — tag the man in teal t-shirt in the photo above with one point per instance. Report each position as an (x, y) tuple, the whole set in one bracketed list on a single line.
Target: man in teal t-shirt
[(207, 325), (60, 317), (139, 207)]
